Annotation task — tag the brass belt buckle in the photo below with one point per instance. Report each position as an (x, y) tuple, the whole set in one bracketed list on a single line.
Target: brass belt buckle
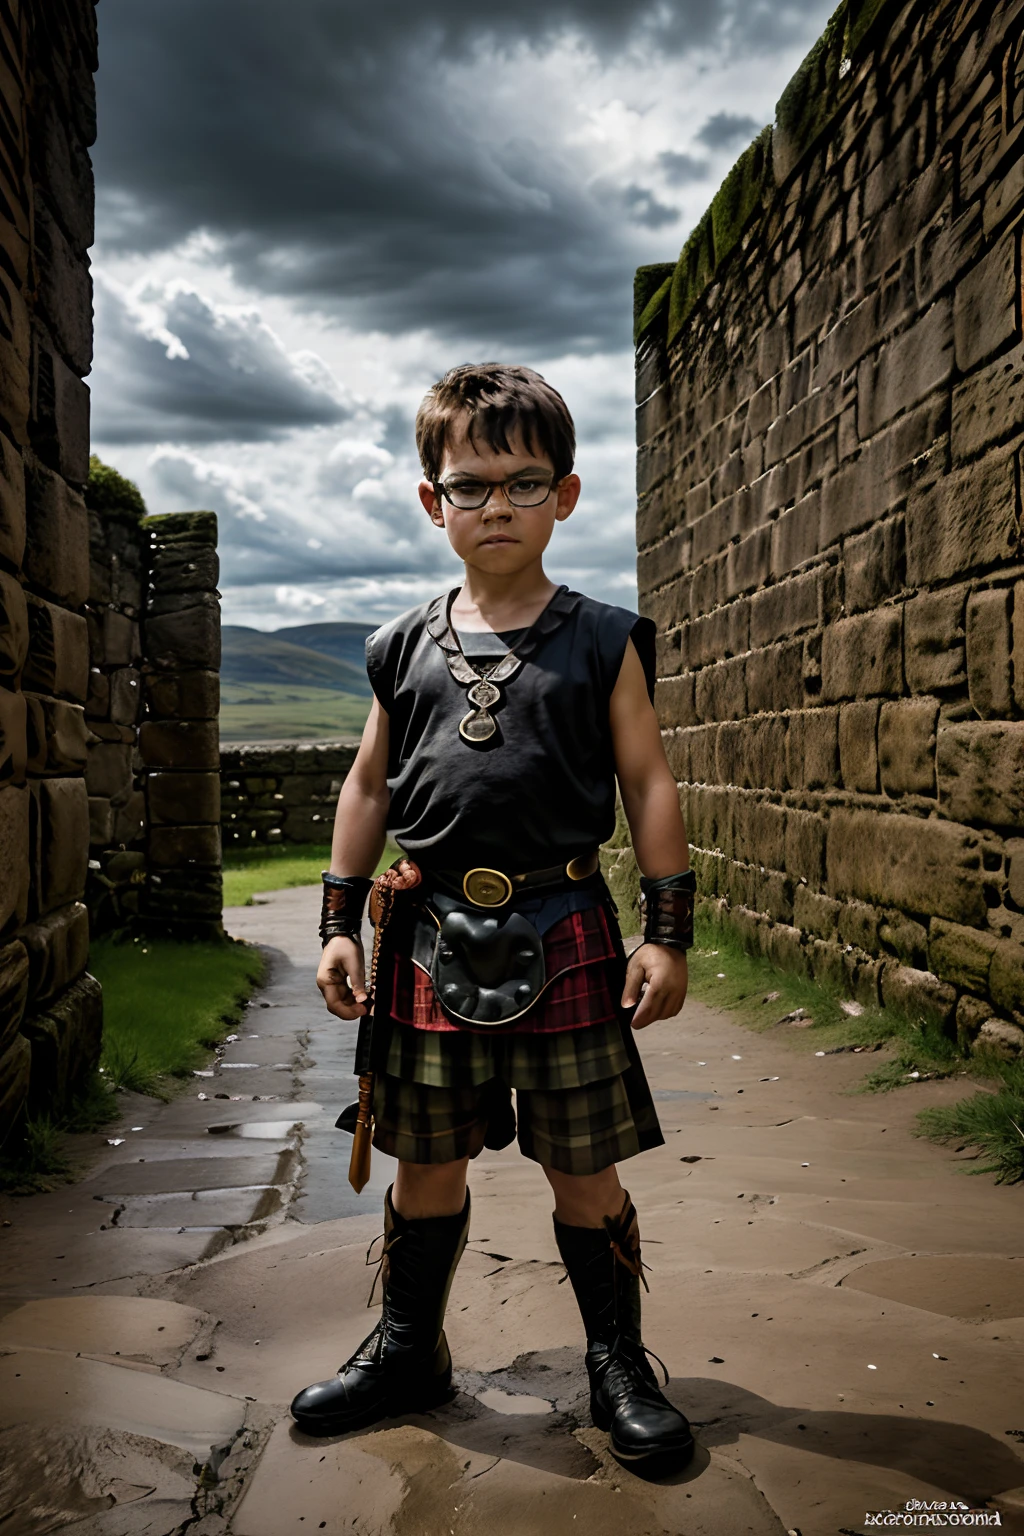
[(583, 865), (487, 887)]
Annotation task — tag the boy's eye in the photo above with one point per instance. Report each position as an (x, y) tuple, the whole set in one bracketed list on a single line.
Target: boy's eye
[(525, 486)]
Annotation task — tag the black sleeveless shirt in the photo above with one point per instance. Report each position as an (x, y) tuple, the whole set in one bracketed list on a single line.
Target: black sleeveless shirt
[(542, 789)]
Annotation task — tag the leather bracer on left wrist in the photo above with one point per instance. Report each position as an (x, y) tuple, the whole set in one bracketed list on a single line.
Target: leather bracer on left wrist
[(667, 906)]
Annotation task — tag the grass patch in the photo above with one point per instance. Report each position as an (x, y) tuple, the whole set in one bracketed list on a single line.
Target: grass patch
[(278, 867), (991, 1121), (41, 1159), (166, 1004), (289, 712)]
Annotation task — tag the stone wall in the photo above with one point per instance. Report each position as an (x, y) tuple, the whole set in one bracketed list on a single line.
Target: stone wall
[(50, 1010), (830, 387), (282, 792)]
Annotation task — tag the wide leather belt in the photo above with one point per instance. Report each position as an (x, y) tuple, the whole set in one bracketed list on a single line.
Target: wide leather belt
[(493, 888)]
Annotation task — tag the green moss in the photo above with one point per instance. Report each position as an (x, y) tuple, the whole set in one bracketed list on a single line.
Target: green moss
[(742, 191), (651, 286), (111, 495), (694, 271), (182, 527), (861, 17), (810, 100)]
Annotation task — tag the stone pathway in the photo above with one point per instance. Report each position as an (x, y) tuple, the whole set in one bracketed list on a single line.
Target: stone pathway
[(842, 1311)]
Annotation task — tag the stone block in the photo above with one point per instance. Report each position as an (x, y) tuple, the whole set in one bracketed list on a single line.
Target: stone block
[(183, 897), (905, 939), (785, 948), (187, 640), (66, 1042), (988, 652), (967, 520), (12, 503), (1014, 850), (863, 655), (65, 289), (985, 305), (786, 609), (764, 834), (15, 361), (806, 836), (700, 745), (130, 818), (960, 955), (192, 744), (57, 735), (15, 1076), (934, 641), (14, 630), (58, 951), (980, 769), (874, 565), (986, 404), (110, 772), (971, 1014), (794, 536), (748, 562), (999, 1041), (775, 678), (812, 749), (858, 925), (59, 425), (919, 996), (183, 799), (13, 990), (57, 541), (674, 701), (125, 696), (101, 822), (63, 842), (814, 913), (905, 370), (920, 866), (14, 855), (58, 652), (13, 737), (721, 691), (858, 746), (1006, 977), (170, 847), (904, 455), (119, 643), (826, 963), (906, 746)]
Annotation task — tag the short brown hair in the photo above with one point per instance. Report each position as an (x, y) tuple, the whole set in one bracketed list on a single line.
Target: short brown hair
[(499, 400)]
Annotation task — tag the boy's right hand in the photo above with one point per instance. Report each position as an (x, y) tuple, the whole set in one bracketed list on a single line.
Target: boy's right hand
[(340, 977)]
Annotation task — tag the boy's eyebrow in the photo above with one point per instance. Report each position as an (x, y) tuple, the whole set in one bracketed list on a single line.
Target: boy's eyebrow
[(527, 469)]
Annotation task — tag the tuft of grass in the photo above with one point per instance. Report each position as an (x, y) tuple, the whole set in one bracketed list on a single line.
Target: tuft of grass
[(38, 1161), (278, 867), (167, 1003), (991, 1121)]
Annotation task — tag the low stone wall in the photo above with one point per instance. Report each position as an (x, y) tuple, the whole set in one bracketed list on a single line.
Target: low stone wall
[(282, 792), (830, 387)]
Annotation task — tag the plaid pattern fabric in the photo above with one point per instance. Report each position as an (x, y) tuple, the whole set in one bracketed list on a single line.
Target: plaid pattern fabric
[(466, 1058), (575, 1130), (580, 991)]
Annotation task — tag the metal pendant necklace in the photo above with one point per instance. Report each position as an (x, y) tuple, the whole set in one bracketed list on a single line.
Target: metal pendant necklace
[(484, 693)]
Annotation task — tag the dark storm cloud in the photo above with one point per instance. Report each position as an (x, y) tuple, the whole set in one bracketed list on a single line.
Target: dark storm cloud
[(332, 150), (180, 367), (728, 130), (681, 170)]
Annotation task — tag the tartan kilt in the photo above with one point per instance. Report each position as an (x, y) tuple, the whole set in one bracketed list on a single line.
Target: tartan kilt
[(582, 1098)]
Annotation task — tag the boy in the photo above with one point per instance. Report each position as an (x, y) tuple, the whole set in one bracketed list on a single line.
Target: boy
[(502, 715)]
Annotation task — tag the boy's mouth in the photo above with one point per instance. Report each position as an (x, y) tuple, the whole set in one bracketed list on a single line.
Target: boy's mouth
[(498, 538)]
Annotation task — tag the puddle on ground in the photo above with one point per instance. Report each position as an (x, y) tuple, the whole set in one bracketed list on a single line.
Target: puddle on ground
[(512, 1402), (259, 1130), (952, 1285)]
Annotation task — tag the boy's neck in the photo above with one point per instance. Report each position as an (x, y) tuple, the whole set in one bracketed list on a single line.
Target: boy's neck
[(499, 602)]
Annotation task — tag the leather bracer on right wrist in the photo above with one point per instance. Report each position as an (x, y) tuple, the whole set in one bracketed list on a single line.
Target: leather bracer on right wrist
[(668, 909), (341, 916)]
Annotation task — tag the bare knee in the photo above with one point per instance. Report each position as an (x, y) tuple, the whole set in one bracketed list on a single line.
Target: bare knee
[(584, 1200), (430, 1189)]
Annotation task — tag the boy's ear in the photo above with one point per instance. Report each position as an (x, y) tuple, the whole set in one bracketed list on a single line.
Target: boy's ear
[(568, 495), (431, 503)]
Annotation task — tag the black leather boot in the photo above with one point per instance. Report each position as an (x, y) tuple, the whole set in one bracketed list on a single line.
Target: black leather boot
[(604, 1268), (404, 1365)]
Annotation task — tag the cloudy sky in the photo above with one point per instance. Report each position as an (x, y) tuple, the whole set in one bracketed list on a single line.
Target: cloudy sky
[(307, 212)]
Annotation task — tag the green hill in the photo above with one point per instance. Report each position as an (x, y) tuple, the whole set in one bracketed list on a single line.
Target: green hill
[(345, 642), (258, 658)]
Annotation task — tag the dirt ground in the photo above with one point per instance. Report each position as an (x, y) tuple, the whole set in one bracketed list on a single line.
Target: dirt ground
[(840, 1306)]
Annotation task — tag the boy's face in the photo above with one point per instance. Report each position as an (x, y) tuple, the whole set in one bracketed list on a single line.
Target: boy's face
[(499, 538)]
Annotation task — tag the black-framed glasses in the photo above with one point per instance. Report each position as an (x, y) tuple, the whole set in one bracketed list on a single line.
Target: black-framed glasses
[(469, 494)]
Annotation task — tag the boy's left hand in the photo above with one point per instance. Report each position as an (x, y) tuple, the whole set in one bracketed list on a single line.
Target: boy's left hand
[(665, 972)]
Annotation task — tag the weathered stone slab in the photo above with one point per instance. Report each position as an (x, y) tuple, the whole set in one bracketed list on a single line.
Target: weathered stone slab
[(980, 768), (57, 542), (170, 847), (192, 744), (900, 861), (858, 746), (812, 749), (967, 520), (988, 652), (985, 305), (63, 842), (140, 1329), (13, 737), (1006, 977), (14, 854), (906, 746), (14, 632), (15, 1076), (863, 655), (12, 503), (60, 419), (189, 639), (986, 404), (999, 1041), (13, 990), (57, 736), (58, 652), (65, 1043), (874, 565), (960, 955), (183, 799), (919, 995), (183, 695), (58, 950), (934, 646)]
